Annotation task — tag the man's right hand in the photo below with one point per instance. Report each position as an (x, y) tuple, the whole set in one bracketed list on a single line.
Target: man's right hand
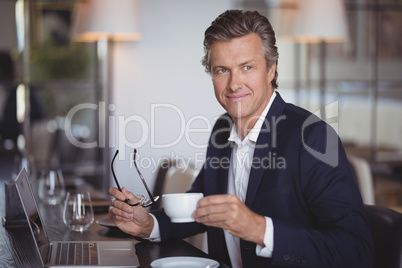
[(134, 220)]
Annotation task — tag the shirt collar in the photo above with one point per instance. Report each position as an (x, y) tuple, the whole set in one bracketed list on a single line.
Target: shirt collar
[(255, 131)]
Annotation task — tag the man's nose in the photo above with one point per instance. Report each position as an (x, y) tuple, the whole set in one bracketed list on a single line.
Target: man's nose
[(235, 82)]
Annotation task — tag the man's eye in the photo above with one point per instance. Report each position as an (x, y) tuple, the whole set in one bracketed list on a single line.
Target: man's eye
[(247, 67), (221, 71)]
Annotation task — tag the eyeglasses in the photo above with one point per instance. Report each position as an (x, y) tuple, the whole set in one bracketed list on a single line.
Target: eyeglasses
[(144, 201)]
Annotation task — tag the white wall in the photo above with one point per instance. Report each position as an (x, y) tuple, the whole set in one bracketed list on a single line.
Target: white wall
[(163, 69)]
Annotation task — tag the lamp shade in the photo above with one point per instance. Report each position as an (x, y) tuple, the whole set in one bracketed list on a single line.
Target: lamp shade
[(320, 20), (106, 19)]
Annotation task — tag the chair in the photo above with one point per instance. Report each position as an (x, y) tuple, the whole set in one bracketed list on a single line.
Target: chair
[(386, 229), (364, 178), (43, 135), (172, 178)]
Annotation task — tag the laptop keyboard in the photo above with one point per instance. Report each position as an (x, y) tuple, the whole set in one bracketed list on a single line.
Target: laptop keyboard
[(77, 253)]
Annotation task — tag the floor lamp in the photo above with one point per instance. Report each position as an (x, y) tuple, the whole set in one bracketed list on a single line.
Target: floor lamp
[(321, 21), (106, 22)]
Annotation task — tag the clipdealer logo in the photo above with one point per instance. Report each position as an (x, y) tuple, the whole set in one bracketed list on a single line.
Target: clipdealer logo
[(331, 152), (120, 124)]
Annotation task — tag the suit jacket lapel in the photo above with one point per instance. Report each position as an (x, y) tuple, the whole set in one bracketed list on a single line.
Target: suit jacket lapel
[(218, 157), (263, 147)]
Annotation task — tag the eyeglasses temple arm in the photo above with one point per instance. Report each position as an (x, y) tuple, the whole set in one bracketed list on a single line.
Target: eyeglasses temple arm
[(142, 178), (114, 175)]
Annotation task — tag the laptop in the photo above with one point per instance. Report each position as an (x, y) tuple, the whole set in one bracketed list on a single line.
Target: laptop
[(71, 253)]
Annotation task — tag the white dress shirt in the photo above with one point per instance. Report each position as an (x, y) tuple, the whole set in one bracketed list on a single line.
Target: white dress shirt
[(239, 172)]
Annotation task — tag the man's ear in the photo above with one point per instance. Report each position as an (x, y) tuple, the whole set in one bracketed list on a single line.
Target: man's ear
[(271, 72)]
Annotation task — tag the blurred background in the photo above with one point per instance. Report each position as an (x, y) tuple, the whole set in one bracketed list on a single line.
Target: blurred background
[(69, 100)]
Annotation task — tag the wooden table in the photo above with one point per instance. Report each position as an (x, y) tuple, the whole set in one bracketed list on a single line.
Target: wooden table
[(17, 247)]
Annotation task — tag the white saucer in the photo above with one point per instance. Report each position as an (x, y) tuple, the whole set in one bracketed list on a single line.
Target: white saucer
[(184, 262)]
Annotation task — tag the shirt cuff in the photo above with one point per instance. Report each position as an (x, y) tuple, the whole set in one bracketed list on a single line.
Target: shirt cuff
[(155, 235), (268, 240)]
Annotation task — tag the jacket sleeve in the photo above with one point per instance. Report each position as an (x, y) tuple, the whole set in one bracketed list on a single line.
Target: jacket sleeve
[(340, 236)]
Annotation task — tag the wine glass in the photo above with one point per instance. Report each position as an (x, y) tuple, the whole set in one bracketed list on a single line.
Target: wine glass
[(51, 188), (78, 213)]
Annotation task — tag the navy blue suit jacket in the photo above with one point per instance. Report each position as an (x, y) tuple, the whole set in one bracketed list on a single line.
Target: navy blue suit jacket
[(301, 178)]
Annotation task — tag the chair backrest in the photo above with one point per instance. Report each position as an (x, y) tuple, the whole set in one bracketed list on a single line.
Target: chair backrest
[(364, 178), (386, 229), (43, 135), (179, 179), (172, 178)]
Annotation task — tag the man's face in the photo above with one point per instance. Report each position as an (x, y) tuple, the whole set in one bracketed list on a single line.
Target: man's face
[(240, 77)]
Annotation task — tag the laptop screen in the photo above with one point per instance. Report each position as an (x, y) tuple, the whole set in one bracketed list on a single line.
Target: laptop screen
[(32, 213)]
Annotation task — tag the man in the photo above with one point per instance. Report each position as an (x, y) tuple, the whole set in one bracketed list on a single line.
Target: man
[(278, 187)]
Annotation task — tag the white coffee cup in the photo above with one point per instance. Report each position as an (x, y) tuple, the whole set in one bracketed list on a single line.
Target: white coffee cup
[(180, 206)]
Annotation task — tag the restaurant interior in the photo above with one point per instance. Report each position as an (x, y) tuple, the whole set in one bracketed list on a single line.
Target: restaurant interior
[(79, 82)]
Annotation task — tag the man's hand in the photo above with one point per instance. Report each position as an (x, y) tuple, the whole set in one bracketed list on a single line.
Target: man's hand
[(229, 213), (132, 220)]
